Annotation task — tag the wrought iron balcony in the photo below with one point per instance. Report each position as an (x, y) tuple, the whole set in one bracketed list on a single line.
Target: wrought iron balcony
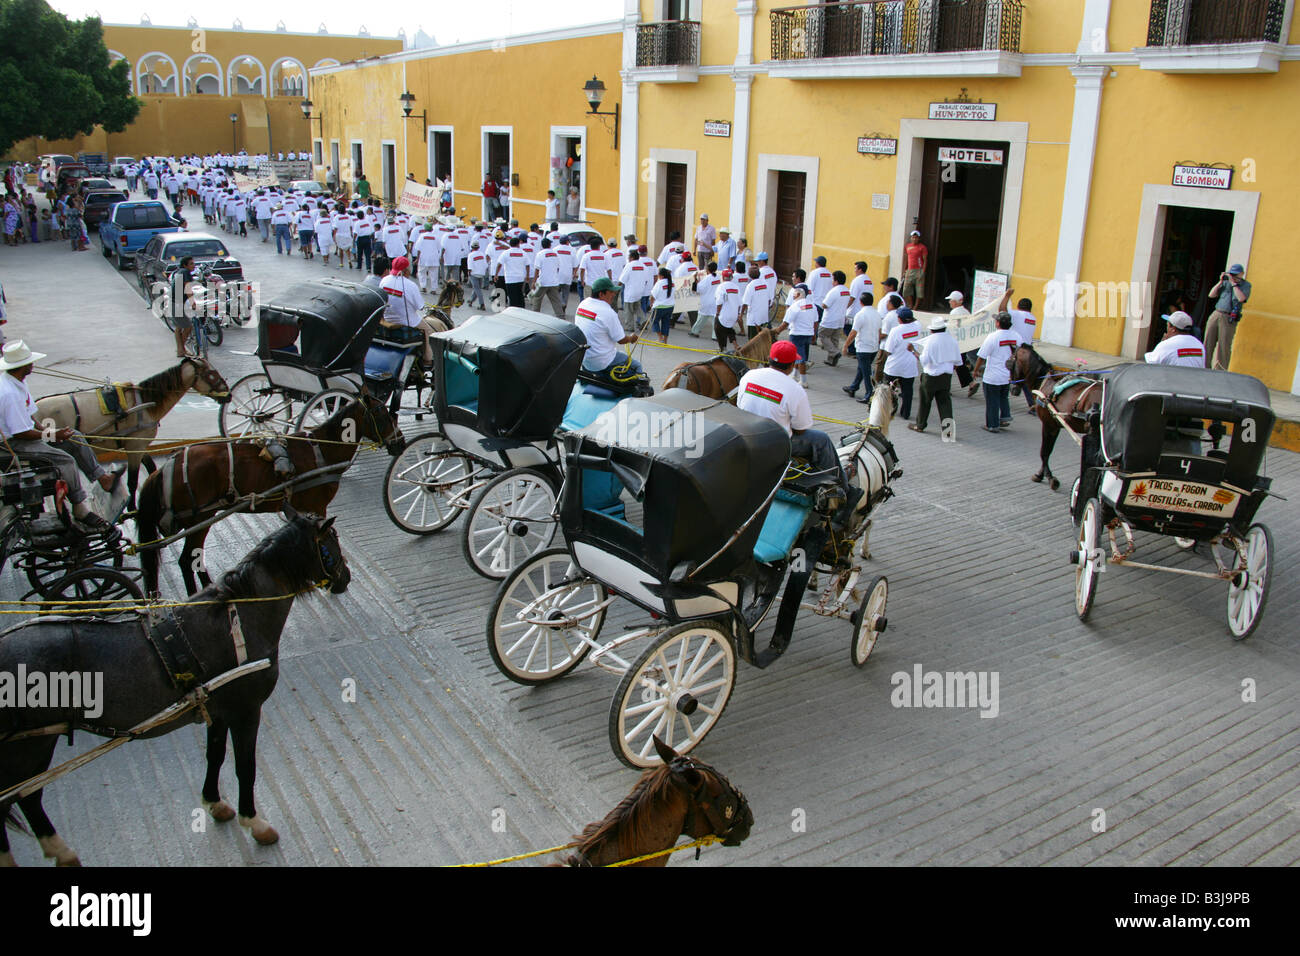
[(671, 43), (895, 27), (1199, 22)]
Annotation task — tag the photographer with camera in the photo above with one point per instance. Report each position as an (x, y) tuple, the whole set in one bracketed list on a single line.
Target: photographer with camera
[(1230, 293)]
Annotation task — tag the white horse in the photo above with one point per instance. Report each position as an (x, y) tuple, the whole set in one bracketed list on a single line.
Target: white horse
[(871, 463)]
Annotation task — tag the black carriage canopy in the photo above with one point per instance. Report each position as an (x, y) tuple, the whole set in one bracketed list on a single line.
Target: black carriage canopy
[(701, 467), (336, 320), (1143, 401), (507, 375)]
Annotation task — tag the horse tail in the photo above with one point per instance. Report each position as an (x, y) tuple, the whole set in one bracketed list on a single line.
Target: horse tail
[(148, 513), (12, 822)]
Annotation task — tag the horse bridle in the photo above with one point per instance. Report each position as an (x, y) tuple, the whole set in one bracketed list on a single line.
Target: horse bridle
[(209, 374), (369, 411), (723, 819), (327, 559)]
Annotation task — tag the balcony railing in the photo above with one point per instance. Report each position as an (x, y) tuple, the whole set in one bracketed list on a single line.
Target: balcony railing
[(891, 27), (671, 43), (1198, 22)]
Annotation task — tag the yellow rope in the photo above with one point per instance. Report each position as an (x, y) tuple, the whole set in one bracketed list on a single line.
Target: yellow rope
[(116, 605), (702, 841), (216, 440)]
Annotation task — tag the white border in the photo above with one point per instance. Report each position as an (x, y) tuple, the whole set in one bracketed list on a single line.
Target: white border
[(429, 158), (658, 196), (221, 82), (769, 165), (581, 133), (483, 158), (180, 78), (383, 173)]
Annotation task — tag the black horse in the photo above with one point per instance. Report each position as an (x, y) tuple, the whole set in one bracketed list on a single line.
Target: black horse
[(224, 626)]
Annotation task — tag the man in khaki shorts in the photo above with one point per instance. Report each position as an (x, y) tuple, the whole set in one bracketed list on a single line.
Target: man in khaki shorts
[(916, 254), (1230, 293)]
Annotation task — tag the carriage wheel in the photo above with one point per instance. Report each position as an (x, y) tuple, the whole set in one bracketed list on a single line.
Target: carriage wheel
[(677, 689), (1089, 559), (255, 408), (870, 621), (511, 518), (1248, 592), (421, 482), (91, 584), (531, 653), (45, 571), (1074, 497), (323, 406), (1185, 544)]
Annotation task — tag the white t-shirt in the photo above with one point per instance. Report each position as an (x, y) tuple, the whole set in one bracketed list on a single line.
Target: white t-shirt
[(867, 326), (669, 250), (478, 263), (940, 354), (859, 285), (1024, 323), (514, 265), (594, 266), (820, 281), (708, 289), (404, 301), (394, 240), (901, 362), (548, 268), (552, 210), (771, 393), (636, 279), (1185, 350), (600, 324), (426, 249), (661, 295), (758, 297), (728, 303), (998, 348), (836, 305), (16, 406), (801, 317)]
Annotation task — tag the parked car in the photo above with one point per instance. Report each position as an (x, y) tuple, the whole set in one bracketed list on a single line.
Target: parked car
[(68, 174), (120, 163), (97, 163), (94, 185), (98, 204), (162, 255), (132, 224), (576, 233), (307, 186)]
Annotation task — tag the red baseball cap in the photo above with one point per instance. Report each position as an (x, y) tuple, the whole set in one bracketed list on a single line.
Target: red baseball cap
[(400, 265), (784, 352)]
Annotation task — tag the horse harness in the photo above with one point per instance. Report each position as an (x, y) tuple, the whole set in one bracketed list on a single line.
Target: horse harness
[(113, 401), (723, 819)]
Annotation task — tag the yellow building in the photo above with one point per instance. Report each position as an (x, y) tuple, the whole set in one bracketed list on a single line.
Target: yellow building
[(191, 79)]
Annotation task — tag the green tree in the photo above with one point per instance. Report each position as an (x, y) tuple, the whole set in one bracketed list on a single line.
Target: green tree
[(55, 77)]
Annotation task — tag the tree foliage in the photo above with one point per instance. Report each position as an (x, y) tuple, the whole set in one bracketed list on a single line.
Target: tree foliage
[(55, 77)]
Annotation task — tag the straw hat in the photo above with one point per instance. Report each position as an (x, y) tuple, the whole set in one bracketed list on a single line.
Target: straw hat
[(16, 354)]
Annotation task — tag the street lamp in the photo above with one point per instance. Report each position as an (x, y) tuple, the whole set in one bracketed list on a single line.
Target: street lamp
[(408, 101), (234, 118), (594, 90), (306, 107)]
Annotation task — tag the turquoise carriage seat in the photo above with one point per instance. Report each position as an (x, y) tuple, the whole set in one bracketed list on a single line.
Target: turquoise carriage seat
[(781, 528), (601, 491), (462, 380)]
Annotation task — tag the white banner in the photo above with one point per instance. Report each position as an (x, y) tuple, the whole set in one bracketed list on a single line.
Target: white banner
[(419, 200), (970, 331), (989, 289), (246, 184)]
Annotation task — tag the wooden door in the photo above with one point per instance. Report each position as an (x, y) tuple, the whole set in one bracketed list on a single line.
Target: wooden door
[(928, 218), (787, 248), (674, 202)]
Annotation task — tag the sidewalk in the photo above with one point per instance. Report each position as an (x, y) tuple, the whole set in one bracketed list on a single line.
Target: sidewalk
[(1286, 433)]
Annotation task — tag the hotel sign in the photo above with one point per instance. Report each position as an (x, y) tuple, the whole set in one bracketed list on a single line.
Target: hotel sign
[(966, 154), (877, 145), (717, 127), (1206, 177), (984, 112)]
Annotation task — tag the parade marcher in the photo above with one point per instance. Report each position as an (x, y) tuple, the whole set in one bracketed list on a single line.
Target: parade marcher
[(635, 280), (834, 313), (478, 270), (599, 323), (343, 237), (593, 265), (306, 224), (755, 304), (547, 272), (901, 363), (405, 304), (801, 321), (516, 271), (262, 207), (364, 230), (940, 355), (728, 311), (864, 339), (1178, 346), (706, 284), (662, 302), (861, 282), (280, 223), (995, 356), (1230, 293), (428, 254), (819, 282)]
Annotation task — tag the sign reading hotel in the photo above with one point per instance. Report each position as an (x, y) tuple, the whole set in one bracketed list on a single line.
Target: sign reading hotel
[(877, 146), (717, 127), (967, 154), (984, 112), (1206, 177), (418, 199)]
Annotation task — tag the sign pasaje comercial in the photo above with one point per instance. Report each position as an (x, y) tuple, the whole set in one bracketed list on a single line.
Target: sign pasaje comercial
[(983, 112)]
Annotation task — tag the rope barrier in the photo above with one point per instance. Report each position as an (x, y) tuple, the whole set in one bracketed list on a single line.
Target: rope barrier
[(117, 606), (701, 842)]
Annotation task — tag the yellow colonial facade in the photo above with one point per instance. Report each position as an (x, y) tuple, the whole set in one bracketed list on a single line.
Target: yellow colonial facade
[(192, 78), (515, 107)]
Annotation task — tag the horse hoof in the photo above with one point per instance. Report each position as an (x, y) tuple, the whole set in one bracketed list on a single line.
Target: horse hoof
[(7, 859), (1036, 478), (220, 811), (55, 849), (1055, 484), (263, 832)]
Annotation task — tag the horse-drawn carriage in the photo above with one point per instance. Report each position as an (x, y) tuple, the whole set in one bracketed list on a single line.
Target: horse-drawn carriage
[(712, 524), (320, 344), (505, 386), (1152, 461)]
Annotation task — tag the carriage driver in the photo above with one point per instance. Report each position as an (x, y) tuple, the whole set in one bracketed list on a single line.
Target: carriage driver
[(67, 453), (405, 304), (772, 393), (600, 324)]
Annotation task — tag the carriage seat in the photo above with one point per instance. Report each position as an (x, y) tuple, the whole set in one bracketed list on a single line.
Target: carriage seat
[(800, 477), (398, 335), (384, 359), (781, 528)]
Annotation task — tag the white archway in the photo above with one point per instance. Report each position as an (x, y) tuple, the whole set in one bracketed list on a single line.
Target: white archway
[(113, 57), (328, 61), (205, 65), (149, 80), (291, 82), (238, 83)]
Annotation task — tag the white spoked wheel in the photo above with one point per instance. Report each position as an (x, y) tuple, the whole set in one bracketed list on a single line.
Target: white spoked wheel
[(1089, 559), (541, 616), (1074, 496), (424, 484), (323, 406), (870, 621), (1248, 592), (676, 690), (255, 408), (511, 518)]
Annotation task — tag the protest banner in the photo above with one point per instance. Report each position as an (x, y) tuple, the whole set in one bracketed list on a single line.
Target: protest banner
[(418, 200)]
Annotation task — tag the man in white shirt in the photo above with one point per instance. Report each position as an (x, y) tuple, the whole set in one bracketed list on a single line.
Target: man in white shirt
[(728, 305), (755, 302), (636, 279), (705, 239), (599, 323), (477, 263), (772, 393), (864, 339), (861, 281), (394, 239), (901, 365), (66, 449), (819, 280), (939, 357), (674, 247), (706, 284), (405, 304), (515, 270), (801, 320), (262, 209), (726, 248), (998, 350), (1178, 346), (593, 265), (1024, 323), (427, 252), (280, 223), (547, 269), (835, 308)]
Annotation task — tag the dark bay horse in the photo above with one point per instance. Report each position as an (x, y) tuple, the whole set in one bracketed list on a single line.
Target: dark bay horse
[(117, 434), (296, 558), (203, 479), (1079, 394), (719, 377), (684, 797)]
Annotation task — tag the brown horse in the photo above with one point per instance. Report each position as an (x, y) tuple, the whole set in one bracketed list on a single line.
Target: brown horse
[(1081, 393), (127, 432), (451, 296), (719, 377), (684, 797), (203, 479)]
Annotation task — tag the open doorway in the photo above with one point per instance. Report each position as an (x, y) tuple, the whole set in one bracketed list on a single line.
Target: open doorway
[(960, 214), (1193, 253), (357, 170), (497, 160), (439, 154), (568, 152), (390, 171), (334, 160)]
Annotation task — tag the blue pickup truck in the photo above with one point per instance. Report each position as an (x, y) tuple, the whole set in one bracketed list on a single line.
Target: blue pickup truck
[(130, 225)]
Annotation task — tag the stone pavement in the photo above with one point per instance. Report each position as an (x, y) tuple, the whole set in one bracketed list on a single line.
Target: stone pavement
[(1138, 714)]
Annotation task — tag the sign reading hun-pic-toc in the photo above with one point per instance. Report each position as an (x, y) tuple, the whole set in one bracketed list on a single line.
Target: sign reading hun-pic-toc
[(1207, 177), (966, 154), (877, 145), (964, 111), (418, 200)]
